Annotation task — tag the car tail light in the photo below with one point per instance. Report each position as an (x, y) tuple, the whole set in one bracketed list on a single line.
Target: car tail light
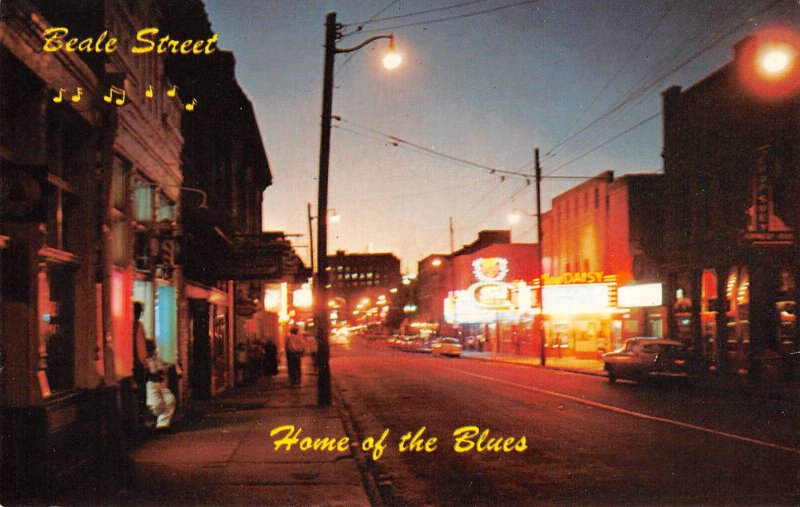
[(679, 361)]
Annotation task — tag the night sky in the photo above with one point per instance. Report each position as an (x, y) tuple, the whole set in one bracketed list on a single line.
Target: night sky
[(486, 88)]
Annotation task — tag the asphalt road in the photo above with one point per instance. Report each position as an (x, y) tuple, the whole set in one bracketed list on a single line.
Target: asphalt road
[(586, 441)]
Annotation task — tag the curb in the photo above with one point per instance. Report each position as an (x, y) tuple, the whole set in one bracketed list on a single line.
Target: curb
[(368, 479), (529, 365)]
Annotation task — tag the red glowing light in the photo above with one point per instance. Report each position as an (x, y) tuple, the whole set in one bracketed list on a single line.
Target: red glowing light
[(769, 64)]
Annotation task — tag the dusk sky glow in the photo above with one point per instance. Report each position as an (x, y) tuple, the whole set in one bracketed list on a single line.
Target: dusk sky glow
[(486, 88)]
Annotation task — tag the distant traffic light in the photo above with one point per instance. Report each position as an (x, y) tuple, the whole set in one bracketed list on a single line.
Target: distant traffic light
[(769, 63)]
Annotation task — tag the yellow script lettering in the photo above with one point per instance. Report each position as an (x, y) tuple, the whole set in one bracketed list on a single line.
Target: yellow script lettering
[(141, 36), (52, 39), (463, 436)]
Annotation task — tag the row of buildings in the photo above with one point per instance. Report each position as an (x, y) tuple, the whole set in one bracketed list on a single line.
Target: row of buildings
[(125, 177), (707, 252)]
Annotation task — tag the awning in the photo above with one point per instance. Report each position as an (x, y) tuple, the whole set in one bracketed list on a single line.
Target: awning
[(266, 256)]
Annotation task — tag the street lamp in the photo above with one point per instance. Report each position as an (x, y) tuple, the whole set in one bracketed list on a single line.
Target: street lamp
[(332, 34), (516, 213), (769, 63)]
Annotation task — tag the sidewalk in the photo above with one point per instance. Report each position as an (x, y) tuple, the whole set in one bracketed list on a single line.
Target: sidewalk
[(227, 457), (787, 391), (586, 366)]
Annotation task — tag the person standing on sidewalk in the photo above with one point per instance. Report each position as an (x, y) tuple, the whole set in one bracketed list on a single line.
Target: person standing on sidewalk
[(295, 346), (139, 360), (160, 399)]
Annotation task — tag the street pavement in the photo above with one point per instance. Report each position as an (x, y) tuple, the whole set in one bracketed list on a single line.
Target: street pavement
[(735, 383), (589, 442), (227, 457)]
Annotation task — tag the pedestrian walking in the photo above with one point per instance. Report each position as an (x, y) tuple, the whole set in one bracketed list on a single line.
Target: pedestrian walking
[(295, 347), (160, 399)]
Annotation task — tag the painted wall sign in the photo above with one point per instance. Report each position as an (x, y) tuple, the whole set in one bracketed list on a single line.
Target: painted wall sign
[(766, 227)]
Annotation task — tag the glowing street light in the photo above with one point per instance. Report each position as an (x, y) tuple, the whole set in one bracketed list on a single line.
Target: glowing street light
[(776, 60), (769, 63), (393, 59), (516, 215)]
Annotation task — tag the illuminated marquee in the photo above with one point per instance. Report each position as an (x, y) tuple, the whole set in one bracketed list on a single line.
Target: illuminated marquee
[(573, 278), (491, 269), (576, 298), (492, 295), (488, 302), (643, 295)]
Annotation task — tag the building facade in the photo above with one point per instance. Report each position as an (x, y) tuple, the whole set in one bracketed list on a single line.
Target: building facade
[(358, 280), (594, 248), (731, 254), (125, 177)]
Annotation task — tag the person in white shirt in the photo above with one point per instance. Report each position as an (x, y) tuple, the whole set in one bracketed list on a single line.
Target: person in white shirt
[(160, 399)]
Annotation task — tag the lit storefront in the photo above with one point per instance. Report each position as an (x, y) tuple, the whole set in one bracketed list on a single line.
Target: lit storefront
[(581, 317), (491, 313), (645, 313)]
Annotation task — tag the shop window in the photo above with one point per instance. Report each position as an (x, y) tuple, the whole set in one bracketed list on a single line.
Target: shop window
[(166, 209), (63, 167), (57, 287), (167, 324), (144, 195)]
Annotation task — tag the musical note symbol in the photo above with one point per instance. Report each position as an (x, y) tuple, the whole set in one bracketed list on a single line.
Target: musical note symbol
[(172, 91), (190, 107), (111, 92), (149, 92), (78, 93), (60, 97)]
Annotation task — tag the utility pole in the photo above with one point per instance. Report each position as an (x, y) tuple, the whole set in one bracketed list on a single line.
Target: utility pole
[(452, 248), (540, 235), (310, 240), (321, 316), (321, 287)]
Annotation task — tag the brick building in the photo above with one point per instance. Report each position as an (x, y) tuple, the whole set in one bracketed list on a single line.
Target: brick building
[(730, 255), (594, 250), (356, 278)]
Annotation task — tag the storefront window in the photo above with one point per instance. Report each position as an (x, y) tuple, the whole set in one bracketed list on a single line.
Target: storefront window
[(786, 312), (57, 312), (167, 324)]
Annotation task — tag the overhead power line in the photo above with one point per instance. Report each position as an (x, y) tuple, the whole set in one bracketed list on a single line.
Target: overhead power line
[(360, 24), (449, 18), (649, 118), (654, 82)]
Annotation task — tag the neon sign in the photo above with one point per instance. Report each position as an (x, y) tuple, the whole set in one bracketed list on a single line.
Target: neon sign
[(491, 269), (492, 295), (570, 278)]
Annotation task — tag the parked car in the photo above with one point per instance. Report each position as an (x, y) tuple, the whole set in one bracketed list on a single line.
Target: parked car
[(446, 347), (644, 357)]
